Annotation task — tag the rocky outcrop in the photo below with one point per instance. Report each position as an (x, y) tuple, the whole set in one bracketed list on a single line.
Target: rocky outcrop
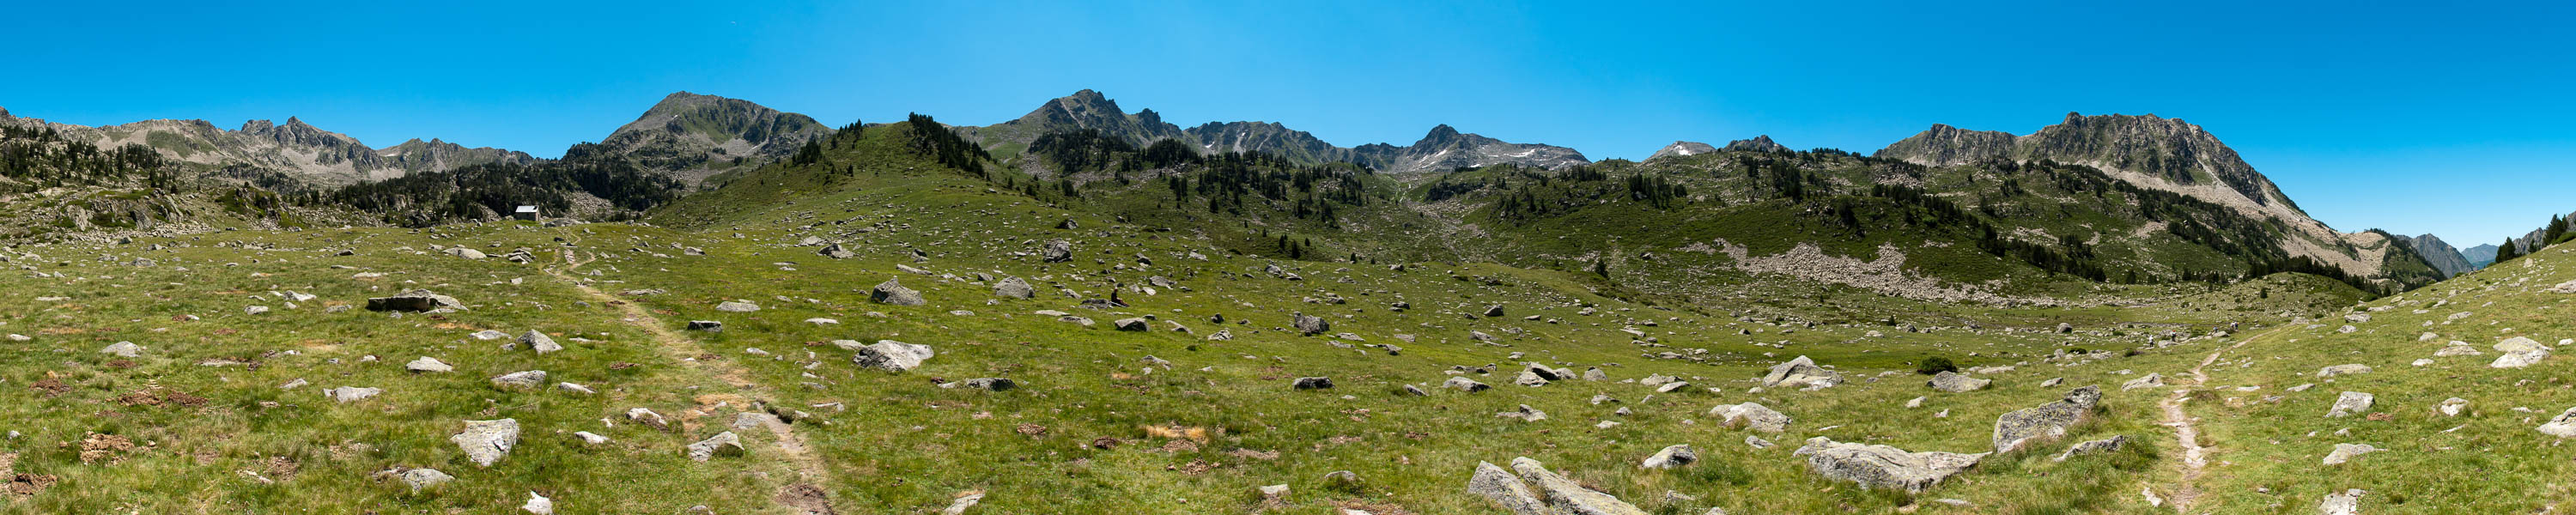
[(1880, 466), (1529, 488), (2045, 421), (1800, 373), (1443, 149)]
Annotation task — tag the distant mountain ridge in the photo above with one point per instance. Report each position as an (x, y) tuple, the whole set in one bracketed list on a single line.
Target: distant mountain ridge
[(691, 136), (2159, 153), (296, 149), (2440, 254), (1443, 148)]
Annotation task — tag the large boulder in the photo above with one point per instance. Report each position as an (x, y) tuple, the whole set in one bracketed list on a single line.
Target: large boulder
[(1058, 251), (2350, 403), (892, 292), (1132, 324), (486, 441), (1954, 382), (1014, 287), (2045, 421), (1880, 466), (722, 444), (1750, 415), (1670, 457), (1505, 490), (1800, 373), (539, 341), (2564, 426), (416, 301), (2519, 352), (835, 251), (1311, 325), (892, 356), (1564, 496)]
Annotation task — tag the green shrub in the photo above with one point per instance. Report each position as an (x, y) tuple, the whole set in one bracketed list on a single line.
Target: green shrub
[(1935, 365)]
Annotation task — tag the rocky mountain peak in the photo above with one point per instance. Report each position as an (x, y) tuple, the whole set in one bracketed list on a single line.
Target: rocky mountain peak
[(1761, 143), (1682, 148), (1441, 134)]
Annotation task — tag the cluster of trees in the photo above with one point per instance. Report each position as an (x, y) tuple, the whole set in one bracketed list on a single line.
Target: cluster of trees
[(38, 158), (1919, 208), (491, 190), (945, 146), (1542, 195)]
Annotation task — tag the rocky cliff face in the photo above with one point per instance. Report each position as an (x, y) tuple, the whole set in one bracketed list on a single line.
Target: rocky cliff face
[(1682, 148), (689, 136), (2439, 254), (1442, 149), (295, 149), (2157, 153)]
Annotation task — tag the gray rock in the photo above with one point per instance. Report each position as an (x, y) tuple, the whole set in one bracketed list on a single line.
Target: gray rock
[(706, 325), (737, 307), (2350, 403), (1058, 251), (1505, 490), (2150, 381), (1953, 382), (1311, 325), (1132, 324), (1565, 496), (835, 251), (2341, 370), (722, 444), (347, 394), (2563, 426), (486, 441), (524, 379), (1750, 415), (2345, 452), (1800, 373), (539, 342), (891, 292), (2346, 503), (2046, 421), (123, 349), (1464, 384), (1312, 383), (414, 301), (1880, 466), (424, 478), (427, 364), (2096, 446), (893, 356), (992, 384), (1013, 287), (1673, 456)]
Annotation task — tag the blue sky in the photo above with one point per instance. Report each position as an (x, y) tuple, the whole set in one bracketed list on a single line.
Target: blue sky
[(2410, 117)]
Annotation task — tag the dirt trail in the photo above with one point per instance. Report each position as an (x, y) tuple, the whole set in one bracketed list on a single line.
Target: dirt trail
[(802, 496), (2195, 458)]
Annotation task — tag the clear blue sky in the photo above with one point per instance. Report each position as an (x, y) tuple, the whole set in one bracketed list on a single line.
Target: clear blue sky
[(2406, 116)]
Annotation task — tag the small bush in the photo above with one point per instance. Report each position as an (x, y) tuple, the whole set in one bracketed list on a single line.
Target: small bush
[(1935, 365)]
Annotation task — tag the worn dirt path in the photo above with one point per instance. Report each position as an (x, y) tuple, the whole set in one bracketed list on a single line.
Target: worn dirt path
[(2195, 458), (802, 496)]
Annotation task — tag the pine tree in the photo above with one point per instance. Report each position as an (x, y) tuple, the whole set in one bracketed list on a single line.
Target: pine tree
[(2507, 251)]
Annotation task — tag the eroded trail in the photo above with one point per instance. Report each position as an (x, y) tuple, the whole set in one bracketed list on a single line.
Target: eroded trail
[(2195, 458), (803, 496)]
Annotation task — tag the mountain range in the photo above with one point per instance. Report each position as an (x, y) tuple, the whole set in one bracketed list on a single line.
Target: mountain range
[(691, 137)]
